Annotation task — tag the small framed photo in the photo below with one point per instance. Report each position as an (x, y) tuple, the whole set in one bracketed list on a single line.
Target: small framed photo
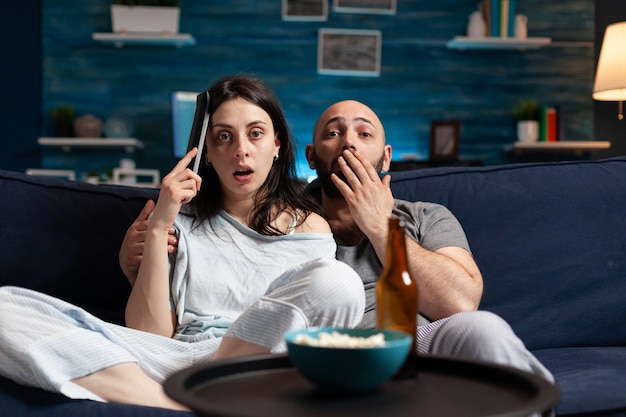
[(305, 10), (445, 136), (365, 6), (349, 52)]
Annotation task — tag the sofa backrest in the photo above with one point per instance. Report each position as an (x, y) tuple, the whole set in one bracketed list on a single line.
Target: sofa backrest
[(63, 238), (550, 240)]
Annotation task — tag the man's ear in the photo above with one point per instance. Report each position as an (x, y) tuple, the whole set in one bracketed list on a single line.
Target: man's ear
[(310, 155), (387, 158)]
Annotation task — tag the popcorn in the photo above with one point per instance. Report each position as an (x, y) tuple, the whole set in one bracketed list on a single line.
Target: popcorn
[(339, 340)]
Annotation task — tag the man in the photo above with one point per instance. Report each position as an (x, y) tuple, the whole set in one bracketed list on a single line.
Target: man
[(348, 152)]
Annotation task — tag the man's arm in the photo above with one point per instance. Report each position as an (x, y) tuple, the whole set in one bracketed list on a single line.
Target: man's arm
[(131, 251), (448, 279)]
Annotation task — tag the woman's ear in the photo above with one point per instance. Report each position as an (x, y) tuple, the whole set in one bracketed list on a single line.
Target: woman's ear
[(276, 146), (277, 142)]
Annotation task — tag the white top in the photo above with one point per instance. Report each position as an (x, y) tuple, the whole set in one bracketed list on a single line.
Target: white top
[(222, 267)]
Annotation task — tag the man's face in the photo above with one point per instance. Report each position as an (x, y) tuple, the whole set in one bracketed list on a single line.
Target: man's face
[(347, 125)]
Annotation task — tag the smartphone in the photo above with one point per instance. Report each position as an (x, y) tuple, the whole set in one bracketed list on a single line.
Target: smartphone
[(199, 128)]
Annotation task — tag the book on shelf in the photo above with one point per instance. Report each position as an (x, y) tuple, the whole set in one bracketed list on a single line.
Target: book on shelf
[(560, 123), (499, 17), (486, 10), (550, 124), (511, 19), (495, 18), (504, 18)]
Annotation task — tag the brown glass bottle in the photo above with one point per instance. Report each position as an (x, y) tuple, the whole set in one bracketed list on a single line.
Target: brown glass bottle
[(396, 294)]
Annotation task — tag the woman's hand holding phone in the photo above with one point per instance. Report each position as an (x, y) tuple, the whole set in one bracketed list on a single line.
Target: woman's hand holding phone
[(178, 187)]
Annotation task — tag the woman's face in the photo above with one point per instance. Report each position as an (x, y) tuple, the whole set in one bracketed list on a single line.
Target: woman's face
[(241, 145)]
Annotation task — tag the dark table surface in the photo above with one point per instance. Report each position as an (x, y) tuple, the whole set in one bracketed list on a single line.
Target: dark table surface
[(270, 386)]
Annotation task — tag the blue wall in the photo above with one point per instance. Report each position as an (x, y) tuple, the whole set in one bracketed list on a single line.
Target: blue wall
[(421, 79), (20, 84)]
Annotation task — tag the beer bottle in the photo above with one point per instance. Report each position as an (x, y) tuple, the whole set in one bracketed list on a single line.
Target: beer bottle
[(396, 294)]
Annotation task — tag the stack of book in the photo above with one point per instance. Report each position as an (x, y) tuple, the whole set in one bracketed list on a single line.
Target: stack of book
[(500, 17), (551, 124)]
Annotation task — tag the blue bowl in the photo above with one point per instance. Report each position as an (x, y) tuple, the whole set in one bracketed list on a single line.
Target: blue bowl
[(348, 369)]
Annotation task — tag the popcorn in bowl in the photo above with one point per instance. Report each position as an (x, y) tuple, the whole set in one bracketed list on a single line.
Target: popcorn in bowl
[(347, 360), (335, 339)]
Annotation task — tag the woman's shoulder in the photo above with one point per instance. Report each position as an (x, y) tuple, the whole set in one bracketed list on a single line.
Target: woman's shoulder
[(314, 223)]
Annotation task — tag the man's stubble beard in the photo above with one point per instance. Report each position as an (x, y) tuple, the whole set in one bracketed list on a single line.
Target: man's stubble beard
[(324, 173)]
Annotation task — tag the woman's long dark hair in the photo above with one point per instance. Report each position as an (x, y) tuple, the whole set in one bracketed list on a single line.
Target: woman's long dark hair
[(281, 189)]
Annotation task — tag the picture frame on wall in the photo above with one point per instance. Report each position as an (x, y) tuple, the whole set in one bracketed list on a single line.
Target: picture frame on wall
[(305, 10), (365, 6), (349, 52), (445, 137)]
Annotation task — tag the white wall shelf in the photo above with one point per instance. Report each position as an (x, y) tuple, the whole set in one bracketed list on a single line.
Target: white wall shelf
[(166, 39), (66, 144), (574, 146), (464, 42)]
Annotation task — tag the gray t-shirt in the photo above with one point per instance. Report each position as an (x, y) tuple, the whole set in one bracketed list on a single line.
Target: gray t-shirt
[(431, 225)]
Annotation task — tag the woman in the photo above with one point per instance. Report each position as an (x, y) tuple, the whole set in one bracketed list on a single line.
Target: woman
[(254, 260)]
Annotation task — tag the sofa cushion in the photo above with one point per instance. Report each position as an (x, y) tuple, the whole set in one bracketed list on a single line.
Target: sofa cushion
[(17, 401), (62, 238), (550, 240), (591, 379)]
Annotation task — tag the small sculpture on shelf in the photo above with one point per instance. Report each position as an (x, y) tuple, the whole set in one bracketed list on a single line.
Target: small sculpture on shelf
[(521, 26), (118, 126), (476, 25), (88, 126)]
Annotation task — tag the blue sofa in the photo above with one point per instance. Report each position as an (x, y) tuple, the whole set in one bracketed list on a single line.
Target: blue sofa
[(550, 239)]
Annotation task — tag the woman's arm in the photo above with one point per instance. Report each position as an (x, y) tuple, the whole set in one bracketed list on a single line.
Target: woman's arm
[(148, 307)]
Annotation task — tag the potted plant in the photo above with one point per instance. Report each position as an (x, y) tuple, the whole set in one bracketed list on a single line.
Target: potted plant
[(63, 119), (92, 177), (145, 16), (527, 114)]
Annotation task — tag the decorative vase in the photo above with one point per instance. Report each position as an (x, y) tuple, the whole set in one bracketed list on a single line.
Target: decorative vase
[(63, 129), (118, 126), (63, 119), (521, 26), (88, 126), (527, 130), (476, 26), (145, 19)]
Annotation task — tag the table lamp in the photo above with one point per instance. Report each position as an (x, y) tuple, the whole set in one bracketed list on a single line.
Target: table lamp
[(610, 82)]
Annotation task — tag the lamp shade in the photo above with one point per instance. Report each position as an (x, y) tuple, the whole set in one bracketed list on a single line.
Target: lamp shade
[(610, 82)]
